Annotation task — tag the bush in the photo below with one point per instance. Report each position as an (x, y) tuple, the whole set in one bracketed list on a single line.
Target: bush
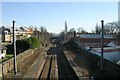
[(70, 45), (33, 42), (24, 44)]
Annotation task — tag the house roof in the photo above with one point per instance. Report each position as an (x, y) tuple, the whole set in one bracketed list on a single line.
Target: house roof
[(116, 43), (96, 36), (108, 49)]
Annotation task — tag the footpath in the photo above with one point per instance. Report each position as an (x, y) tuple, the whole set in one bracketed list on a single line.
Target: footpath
[(31, 70)]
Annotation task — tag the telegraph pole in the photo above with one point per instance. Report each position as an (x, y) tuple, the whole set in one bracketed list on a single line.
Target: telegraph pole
[(14, 49), (102, 45)]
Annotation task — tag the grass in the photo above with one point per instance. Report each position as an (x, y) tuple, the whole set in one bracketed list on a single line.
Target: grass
[(8, 56)]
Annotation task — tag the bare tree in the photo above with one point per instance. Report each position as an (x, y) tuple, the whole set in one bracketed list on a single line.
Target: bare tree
[(43, 29), (109, 28), (71, 31), (79, 30), (112, 28), (97, 29), (44, 35)]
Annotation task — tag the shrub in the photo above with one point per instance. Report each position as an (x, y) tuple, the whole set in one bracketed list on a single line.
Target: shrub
[(24, 44), (70, 45), (33, 42)]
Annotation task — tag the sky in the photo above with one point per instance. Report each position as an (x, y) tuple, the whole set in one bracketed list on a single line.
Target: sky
[(118, 10), (53, 15)]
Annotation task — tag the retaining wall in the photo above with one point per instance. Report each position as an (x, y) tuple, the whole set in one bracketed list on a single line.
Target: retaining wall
[(8, 65)]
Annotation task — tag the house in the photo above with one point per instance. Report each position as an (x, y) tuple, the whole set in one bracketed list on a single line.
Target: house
[(2, 51), (29, 32), (5, 34), (94, 40), (22, 32)]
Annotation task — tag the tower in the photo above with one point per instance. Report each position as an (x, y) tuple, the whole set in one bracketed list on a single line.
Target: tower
[(119, 11), (65, 30), (65, 27)]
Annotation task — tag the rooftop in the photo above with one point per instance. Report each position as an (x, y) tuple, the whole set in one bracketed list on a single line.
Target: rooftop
[(108, 49), (96, 36)]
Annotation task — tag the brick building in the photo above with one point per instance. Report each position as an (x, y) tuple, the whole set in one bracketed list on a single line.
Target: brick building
[(5, 34), (94, 40)]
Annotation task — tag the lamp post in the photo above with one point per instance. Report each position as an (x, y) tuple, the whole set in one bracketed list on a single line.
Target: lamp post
[(102, 45), (14, 49), (2, 69)]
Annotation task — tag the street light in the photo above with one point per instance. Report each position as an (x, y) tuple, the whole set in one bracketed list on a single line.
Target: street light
[(102, 45), (2, 68), (14, 49)]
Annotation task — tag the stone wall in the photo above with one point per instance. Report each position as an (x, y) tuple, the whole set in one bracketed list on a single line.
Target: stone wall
[(0, 70), (8, 65)]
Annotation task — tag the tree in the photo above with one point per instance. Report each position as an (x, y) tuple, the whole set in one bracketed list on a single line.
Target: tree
[(24, 44), (97, 29), (44, 35), (62, 33), (35, 31), (84, 31), (118, 27), (70, 45), (81, 30), (33, 42), (109, 28), (112, 28), (71, 31), (43, 29)]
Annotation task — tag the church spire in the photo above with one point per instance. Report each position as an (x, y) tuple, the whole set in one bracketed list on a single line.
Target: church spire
[(65, 27)]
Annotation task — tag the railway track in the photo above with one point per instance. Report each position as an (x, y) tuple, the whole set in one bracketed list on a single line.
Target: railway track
[(65, 69), (46, 68), (49, 70), (56, 67)]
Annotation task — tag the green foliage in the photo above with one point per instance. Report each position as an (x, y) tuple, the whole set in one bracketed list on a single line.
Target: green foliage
[(33, 42), (24, 44), (7, 56)]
